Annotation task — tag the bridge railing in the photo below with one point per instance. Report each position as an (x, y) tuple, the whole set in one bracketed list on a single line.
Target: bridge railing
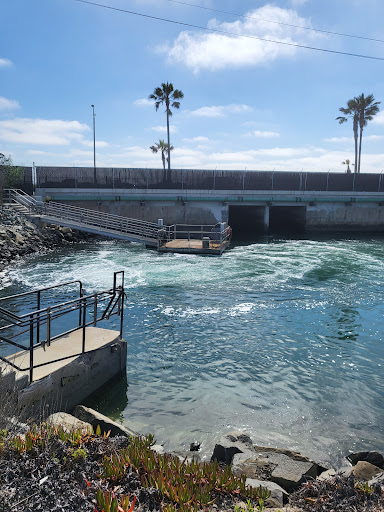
[(37, 327)]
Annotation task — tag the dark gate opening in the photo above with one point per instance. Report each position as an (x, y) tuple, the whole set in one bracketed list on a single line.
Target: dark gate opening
[(287, 219), (246, 220)]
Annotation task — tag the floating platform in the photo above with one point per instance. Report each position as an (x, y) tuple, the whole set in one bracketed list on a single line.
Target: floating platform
[(194, 247)]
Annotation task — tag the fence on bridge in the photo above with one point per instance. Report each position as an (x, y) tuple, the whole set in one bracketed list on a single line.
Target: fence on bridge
[(194, 179)]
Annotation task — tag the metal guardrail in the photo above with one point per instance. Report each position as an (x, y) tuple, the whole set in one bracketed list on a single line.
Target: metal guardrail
[(138, 229), (27, 328)]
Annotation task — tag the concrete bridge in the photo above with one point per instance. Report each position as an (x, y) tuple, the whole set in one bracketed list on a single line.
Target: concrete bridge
[(254, 201)]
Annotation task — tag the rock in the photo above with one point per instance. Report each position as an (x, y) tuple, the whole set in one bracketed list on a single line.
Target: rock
[(286, 471), (365, 471), (194, 447), (278, 494), (284, 467), (19, 239), (106, 424), (377, 480), (230, 444), (68, 422), (374, 458), (330, 473)]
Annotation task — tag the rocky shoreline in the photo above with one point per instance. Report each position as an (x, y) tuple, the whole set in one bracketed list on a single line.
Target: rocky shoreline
[(20, 237), (65, 480)]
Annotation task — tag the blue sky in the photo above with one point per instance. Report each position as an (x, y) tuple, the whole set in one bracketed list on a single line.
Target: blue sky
[(248, 104)]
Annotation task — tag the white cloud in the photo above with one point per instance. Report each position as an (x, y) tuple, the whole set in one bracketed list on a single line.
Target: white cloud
[(42, 131), (350, 139), (199, 139), (99, 143), (379, 118), (143, 102), (4, 63), (338, 139), (163, 129), (220, 110), (6, 104), (264, 134), (215, 51)]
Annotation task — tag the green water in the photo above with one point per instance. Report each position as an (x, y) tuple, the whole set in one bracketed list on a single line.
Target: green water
[(281, 338)]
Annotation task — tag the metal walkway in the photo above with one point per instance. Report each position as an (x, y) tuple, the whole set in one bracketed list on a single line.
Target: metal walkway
[(201, 239), (91, 221)]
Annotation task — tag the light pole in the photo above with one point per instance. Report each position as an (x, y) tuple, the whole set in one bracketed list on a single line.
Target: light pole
[(94, 144)]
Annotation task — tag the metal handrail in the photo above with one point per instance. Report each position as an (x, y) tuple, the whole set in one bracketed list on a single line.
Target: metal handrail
[(91, 218), (113, 298)]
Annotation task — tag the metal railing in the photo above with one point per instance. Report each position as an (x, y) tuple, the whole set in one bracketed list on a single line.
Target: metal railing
[(138, 229), (83, 311), (216, 236)]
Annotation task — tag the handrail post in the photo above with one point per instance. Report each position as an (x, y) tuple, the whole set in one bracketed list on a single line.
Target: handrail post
[(84, 318), (49, 327), (80, 295), (31, 348), (95, 310), (121, 312), (38, 318)]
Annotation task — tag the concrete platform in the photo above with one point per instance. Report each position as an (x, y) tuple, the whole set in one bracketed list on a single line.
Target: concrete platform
[(64, 384), (69, 345)]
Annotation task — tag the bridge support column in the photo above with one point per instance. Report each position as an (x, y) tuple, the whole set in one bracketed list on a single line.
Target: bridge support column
[(266, 219)]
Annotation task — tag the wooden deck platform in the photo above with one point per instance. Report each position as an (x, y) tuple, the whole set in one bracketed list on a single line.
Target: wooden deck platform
[(180, 245)]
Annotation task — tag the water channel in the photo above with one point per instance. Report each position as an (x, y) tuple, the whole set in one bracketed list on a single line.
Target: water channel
[(280, 337)]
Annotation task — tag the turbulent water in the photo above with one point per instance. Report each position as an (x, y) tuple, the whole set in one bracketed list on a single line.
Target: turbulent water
[(280, 338)]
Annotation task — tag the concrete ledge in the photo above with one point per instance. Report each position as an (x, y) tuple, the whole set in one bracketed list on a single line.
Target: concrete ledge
[(67, 383)]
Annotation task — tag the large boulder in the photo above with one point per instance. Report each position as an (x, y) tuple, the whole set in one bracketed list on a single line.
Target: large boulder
[(106, 424), (278, 497), (230, 444), (276, 467), (365, 471), (286, 468), (68, 422), (374, 458)]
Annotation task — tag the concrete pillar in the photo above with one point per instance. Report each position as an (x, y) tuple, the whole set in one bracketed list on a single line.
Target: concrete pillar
[(266, 219)]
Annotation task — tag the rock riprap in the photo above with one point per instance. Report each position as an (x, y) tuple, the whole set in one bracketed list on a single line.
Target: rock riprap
[(283, 467), (19, 236)]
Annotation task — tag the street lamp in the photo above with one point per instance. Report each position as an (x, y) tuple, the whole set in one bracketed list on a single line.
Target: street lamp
[(94, 145)]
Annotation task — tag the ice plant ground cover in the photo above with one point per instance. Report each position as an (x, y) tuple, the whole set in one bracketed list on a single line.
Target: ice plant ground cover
[(51, 469)]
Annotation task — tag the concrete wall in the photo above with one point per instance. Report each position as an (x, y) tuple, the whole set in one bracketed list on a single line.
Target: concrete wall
[(68, 386), (345, 217), (328, 211)]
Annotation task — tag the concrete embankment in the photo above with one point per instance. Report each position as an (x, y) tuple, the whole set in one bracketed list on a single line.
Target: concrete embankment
[(19, 236)]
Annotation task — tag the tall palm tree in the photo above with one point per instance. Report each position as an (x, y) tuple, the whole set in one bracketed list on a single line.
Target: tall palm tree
[(169, 96), (163, 148), (350, 111), (361, 109), (367, 108)]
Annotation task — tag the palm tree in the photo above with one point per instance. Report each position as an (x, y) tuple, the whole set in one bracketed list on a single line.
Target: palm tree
[(367, 109), (170, 96), (163, 148), (351, 111), (361, 109), (347, 162)]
